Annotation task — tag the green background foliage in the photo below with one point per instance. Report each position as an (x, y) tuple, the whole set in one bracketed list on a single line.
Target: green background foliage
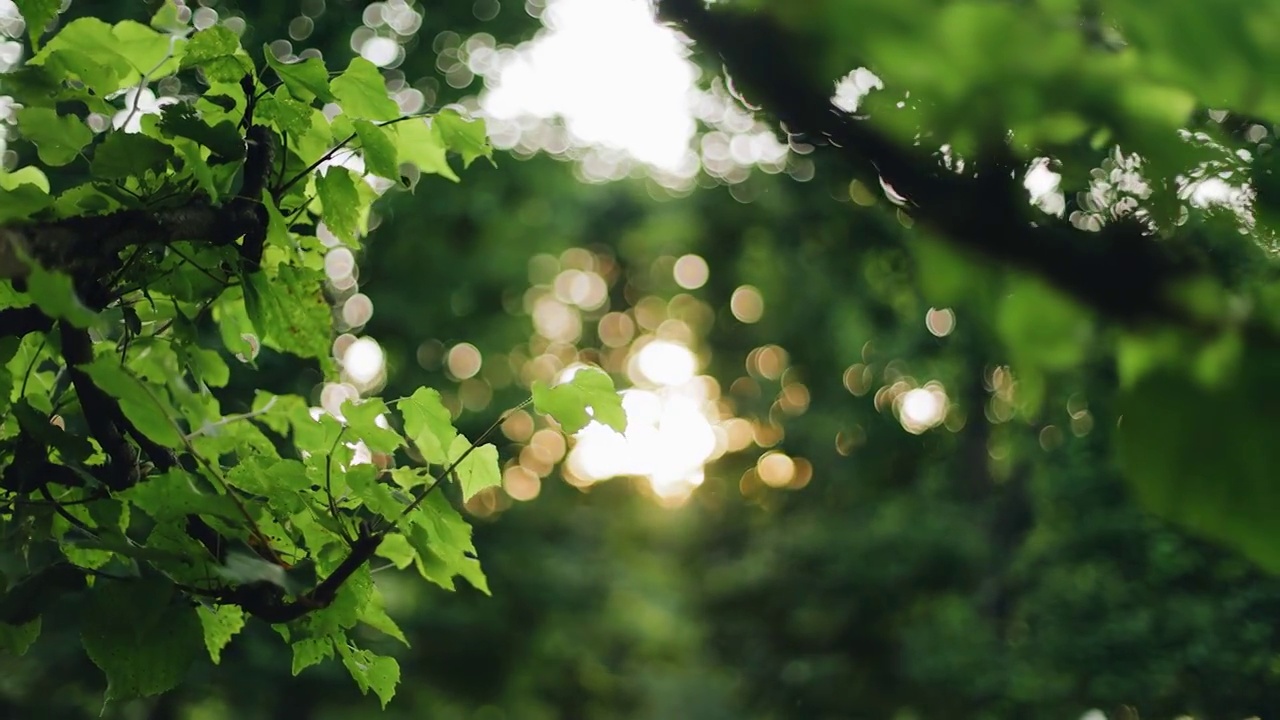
[(192, 528)]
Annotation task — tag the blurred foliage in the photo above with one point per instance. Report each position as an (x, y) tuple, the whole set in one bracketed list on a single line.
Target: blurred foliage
[(996, 565)]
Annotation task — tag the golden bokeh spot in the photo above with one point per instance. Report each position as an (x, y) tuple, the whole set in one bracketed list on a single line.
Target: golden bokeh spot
[(616, 329), (521, 483), (858, 378), (803, 474), (650, 312), (550, 443), (463, 361), (747, 304), (767, 434), (518, 426), (794, 399), (940, 321), (776, 469), (691, 272), (739, 434)]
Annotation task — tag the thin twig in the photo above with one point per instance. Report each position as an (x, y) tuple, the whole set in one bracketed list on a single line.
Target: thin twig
[(228, 419), (328, 489), (333, 151), (449, 470)]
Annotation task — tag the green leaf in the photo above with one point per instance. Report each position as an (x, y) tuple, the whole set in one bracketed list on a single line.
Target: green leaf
[(124, 155), (173, 494), (379, 150), (17, 639), (55, 293), (136, 402), (58, 138), (290, 312), (1205, 457), (23, 193), (428, 424), (588, 396), (372, 672), (167, 19), (465, 137), (1042, 327), (220, 624), (194, 162), (306, 80), (141, 635), (148, 52), (442, 540), (362, 92), (375, 615), (268, 477), (285, 113), (478, 470), (421, 145), (38, 14), (341, 202), (362, 417), (277, 226), (376, 496), (311, 651), (182, 120), (216, 51), (397, 549)]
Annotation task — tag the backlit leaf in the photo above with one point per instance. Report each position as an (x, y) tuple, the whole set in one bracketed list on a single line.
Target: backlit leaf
[(362, 92), (428, 424), (58, 138), (588, 396)]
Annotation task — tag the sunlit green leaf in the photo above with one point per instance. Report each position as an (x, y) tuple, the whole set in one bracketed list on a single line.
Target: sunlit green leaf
[(372, 672), (379, 149), (174, 495), (58, 138), (55, 293), (216, 51), (588, 396), (478, 470), (337, 192), (306, 80), (463, 136), (220, 624), (140, 404), (362, 92), (38, 14), (420, 144), (428, 424), (367, 420)]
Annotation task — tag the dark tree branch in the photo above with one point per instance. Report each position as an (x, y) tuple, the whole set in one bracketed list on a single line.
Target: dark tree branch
[(99, 410), (1121, 272), (17, 322), (266, 601)]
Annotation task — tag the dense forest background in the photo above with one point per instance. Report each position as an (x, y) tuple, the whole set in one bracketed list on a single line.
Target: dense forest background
[(837, 506)]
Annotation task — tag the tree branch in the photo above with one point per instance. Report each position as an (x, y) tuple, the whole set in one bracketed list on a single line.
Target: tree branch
[(1121, 272)]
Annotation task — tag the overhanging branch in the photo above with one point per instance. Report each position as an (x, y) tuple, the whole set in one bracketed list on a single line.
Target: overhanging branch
[(1121, 272)]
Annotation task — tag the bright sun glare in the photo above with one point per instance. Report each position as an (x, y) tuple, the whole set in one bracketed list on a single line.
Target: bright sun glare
[(670, 435), (617, 78)]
